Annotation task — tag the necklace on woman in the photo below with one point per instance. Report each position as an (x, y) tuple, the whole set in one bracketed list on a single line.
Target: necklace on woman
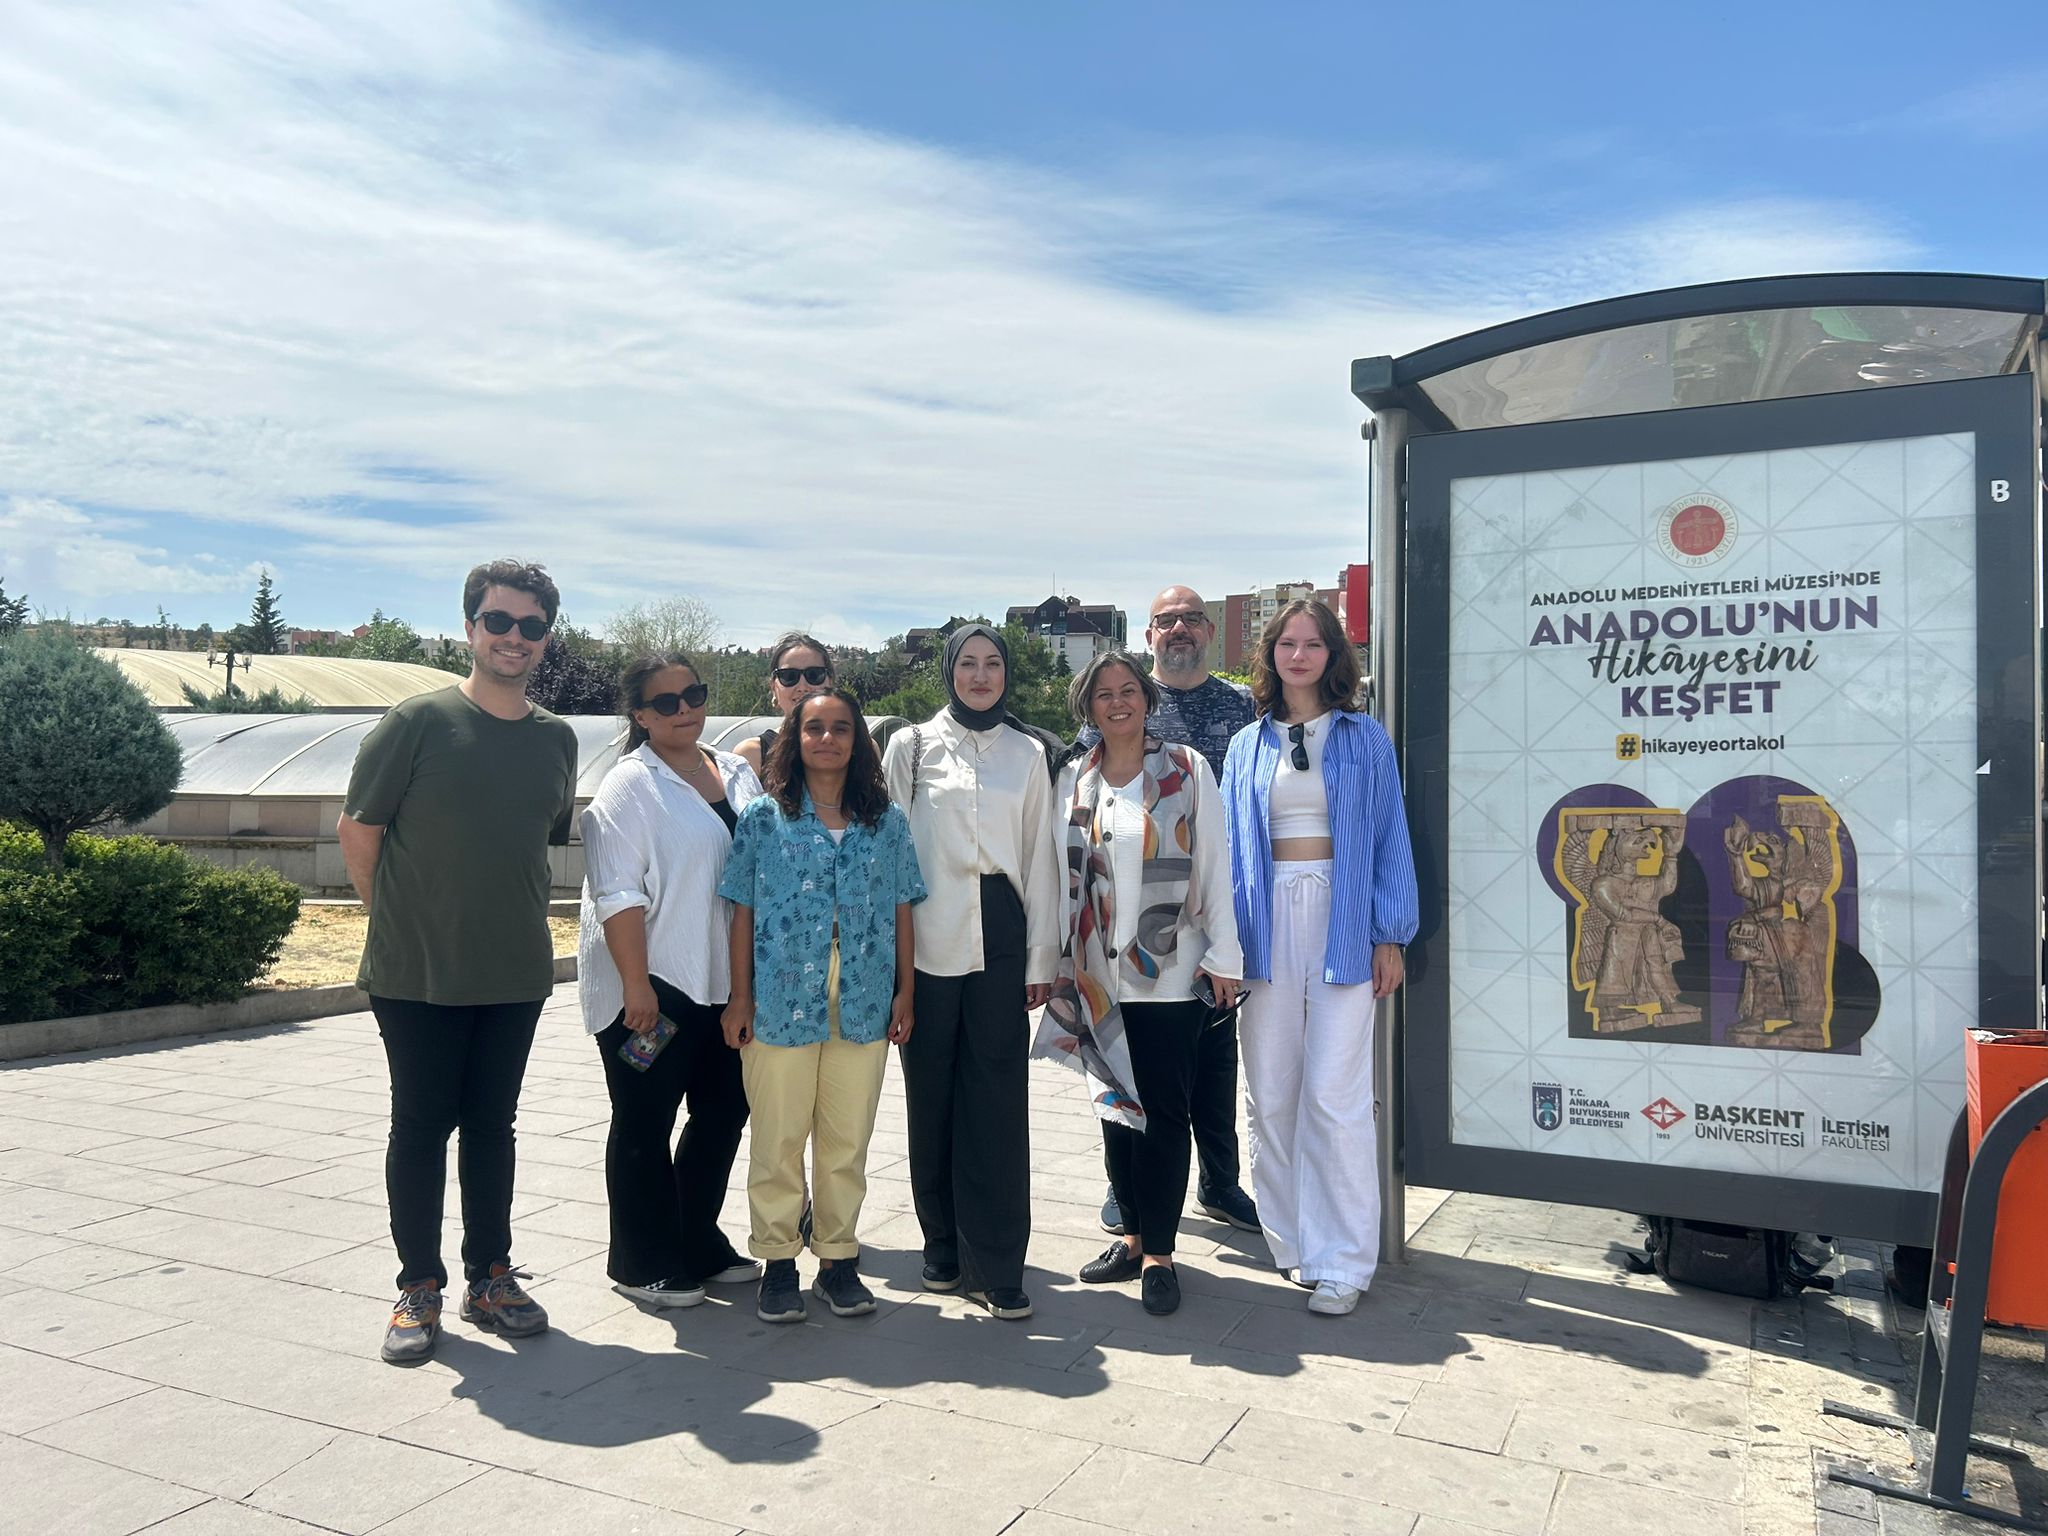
[(821, 805)]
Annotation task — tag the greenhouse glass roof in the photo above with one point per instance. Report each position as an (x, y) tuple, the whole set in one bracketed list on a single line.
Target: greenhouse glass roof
[(311, 755)]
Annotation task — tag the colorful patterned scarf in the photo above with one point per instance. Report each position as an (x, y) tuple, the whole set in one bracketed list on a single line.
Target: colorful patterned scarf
[(1082, 1026)]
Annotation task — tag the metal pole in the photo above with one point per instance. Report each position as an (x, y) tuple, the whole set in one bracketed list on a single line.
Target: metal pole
[(1389, 530)]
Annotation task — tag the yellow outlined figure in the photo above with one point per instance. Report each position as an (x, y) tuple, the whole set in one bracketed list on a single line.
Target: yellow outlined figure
[(1620, 865), (1785, 939)]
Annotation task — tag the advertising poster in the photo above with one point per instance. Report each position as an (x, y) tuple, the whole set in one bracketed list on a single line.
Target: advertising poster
[(1712, 836)]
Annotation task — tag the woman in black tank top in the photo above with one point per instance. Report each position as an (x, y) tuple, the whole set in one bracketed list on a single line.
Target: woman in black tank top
[(798, 666)]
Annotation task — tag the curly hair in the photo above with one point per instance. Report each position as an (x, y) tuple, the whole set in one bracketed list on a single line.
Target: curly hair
[(867, 794), (520, 576), (1337, 688)]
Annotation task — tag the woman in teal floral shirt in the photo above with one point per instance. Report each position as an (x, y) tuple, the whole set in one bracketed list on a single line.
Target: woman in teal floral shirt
[(822, 876)]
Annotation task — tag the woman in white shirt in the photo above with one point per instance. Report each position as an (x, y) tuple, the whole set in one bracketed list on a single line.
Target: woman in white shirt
[(979, 799), (1149, 923), (654, 957)]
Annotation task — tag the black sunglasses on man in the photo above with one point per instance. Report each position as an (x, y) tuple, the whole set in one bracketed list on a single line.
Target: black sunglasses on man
[(499, 622)]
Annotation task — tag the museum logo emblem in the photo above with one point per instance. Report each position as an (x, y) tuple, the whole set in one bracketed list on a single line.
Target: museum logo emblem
[(1697, 530)]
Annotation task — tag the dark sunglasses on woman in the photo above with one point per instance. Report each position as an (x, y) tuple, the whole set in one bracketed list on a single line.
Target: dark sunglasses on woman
[(498, 622), (789, 677), (692, 697), (1300, 757)]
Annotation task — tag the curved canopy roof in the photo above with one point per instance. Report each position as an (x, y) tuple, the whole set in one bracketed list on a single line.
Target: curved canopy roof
[(326, 682), (1762, 338), (310, 755)]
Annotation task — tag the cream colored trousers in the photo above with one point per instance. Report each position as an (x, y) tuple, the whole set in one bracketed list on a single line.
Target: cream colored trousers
[(824, 1094)]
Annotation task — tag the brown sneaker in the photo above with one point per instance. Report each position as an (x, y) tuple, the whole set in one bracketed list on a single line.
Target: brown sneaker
[(415, 1325), (498, 1303)]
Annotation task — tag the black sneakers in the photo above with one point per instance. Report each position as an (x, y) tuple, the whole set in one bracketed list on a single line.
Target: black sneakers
[(1232, 1205), (781, 1299), (1115, 1264), (677, 1291), (1006, 1302), (838, 1286), (941, 1277)]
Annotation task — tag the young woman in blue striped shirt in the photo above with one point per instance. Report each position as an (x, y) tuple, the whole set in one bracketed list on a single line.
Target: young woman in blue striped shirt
[(1324, 884)]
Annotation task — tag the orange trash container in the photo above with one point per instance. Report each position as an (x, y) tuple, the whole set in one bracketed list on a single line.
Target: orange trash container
[(1998, 1066)]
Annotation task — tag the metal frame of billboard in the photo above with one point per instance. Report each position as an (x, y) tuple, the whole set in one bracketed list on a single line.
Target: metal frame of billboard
[(2003, 414)]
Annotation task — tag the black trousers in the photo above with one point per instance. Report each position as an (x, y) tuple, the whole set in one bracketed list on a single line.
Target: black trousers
[(1214, 1101), (1212, 1107), (964, 1083), (1148, 1169), (452, 1068), (664, 1205)]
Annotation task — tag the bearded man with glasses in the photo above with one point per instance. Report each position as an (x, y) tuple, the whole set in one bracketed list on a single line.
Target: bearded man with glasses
[(1200, 710), (454, 800)]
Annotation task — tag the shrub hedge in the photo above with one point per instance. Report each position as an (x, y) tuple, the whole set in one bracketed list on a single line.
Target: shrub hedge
[(130, 923)]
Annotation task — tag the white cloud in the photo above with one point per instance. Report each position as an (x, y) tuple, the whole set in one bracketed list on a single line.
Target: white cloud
[(665, 335), (66, 560)]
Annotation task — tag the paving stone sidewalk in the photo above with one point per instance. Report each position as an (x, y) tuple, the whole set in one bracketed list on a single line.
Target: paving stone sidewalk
[(195, 1273)]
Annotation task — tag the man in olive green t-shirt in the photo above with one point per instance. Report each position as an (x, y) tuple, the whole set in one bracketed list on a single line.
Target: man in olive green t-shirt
[(452, 804)]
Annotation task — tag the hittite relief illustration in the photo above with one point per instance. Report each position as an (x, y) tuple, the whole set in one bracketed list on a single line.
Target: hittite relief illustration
[(1621, 866), (1787, 877)]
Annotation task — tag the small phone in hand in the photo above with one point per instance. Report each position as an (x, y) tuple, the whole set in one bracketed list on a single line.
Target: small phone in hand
[(640, 1050)]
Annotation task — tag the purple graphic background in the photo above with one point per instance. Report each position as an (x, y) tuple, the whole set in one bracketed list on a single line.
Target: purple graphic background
[(1706, 903)]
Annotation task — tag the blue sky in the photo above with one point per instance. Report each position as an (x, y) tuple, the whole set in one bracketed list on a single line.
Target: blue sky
[(857, 315)]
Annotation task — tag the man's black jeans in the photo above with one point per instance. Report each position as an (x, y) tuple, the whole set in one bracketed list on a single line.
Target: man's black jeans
[(452, 1069)]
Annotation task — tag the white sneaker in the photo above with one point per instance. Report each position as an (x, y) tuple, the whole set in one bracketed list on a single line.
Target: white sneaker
[(746, 1272), (1332, 1299)]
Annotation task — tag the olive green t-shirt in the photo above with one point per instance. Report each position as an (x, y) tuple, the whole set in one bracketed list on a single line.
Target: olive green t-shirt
[(469, 804)]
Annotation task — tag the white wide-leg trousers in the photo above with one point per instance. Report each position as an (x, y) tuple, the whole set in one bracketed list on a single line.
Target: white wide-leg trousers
[(1308, 1087)]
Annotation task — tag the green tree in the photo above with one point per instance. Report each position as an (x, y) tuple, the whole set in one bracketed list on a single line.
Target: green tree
[(79, 744), (13, 612), (163, 629), (664, 624), (385, 640), (265, 633), (242, 702)]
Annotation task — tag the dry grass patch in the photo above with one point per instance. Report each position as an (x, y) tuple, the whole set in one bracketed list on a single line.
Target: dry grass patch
[(326, 945)]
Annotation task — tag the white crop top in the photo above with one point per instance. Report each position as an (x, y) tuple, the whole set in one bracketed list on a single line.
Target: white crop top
[(1300, 807)]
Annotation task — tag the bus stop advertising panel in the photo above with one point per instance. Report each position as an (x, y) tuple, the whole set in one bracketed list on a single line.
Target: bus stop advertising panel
[(1718, 690)]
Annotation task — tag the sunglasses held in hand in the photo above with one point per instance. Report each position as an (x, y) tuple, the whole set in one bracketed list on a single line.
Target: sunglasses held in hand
[(692, 697), (498, 622)]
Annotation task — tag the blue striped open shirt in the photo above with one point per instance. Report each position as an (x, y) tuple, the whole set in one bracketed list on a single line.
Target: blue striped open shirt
[(1372, 884)]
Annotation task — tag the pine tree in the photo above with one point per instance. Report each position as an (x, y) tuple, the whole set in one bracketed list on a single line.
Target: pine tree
[(264, 634), (13, 611)]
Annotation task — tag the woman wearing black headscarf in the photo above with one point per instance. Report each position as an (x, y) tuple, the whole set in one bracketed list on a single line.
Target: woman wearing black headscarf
[(979, 799)]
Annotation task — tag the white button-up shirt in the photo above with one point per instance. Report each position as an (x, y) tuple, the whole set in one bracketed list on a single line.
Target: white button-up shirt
[(651, 841), (981, 805)]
